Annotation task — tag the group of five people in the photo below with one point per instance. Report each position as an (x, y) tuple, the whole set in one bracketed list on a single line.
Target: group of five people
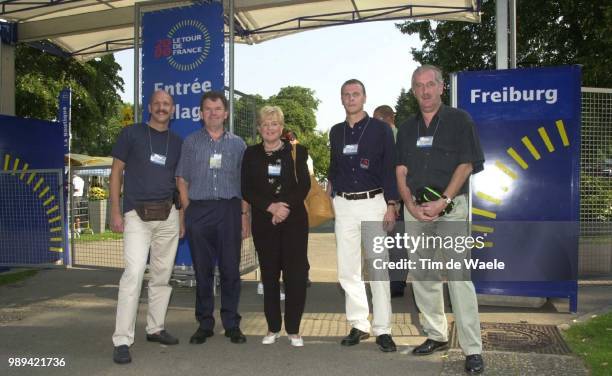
[(227, 189)]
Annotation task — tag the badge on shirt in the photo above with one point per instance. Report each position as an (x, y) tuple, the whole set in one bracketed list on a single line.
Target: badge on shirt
[(158, 159), (424, 142), (215, 161), (274, 170), (350, 149), (364, 163)]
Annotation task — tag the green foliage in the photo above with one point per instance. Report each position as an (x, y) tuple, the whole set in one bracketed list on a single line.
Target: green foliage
[(405, 107), (9, 278), (552, 32), (591, 341), (96, 106)]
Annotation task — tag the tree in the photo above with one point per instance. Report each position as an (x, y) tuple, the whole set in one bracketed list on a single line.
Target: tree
[(96, 106), (551, 32), (405, 107)]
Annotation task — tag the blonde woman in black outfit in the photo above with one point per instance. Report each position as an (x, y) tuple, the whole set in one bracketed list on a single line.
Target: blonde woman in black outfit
[(276, 187)]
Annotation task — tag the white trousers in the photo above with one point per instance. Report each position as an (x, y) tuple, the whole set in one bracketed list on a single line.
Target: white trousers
[(429, 297), (349, 215), (161, 237)]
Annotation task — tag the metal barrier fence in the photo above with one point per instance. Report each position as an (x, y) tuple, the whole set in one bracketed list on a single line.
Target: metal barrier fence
[(595, 256), (32, 218), (93, 244)]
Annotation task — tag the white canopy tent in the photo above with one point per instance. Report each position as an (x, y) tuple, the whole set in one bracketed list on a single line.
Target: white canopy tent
[(88, 28)]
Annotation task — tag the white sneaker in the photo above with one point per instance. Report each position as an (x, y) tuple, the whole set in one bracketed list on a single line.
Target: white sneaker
[(270, 338), (260, 288), (296, 341)]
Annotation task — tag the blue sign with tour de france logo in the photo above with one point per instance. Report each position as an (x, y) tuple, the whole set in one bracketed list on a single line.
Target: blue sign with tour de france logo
[(526, 201), (183, 54)]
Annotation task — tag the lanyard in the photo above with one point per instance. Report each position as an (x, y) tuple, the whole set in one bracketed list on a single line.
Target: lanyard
[(151, 143), (433, 136), (361, 135)]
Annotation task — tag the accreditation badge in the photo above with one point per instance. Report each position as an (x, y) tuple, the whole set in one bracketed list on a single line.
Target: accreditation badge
[(274, 170), (424, 142), (215, 161), (158, 159), (350, 149)]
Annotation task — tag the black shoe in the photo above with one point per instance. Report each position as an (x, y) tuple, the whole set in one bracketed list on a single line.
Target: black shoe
[(199, 337), (429, 346), (235, 335), (121, 354), (354, 337), (397, 293), (385, 343), (474, 363), (163, 337)]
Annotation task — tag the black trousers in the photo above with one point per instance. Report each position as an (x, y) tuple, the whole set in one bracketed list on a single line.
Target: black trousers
[(214, 233), (283, 248), (397, 277)]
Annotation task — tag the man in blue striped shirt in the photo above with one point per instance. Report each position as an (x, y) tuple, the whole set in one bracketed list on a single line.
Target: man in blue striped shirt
[(208, 176)]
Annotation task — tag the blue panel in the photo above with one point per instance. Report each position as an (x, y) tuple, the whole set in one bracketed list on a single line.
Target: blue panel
[(528, 121), (183, 53)]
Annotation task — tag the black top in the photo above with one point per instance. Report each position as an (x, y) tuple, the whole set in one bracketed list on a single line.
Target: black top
[(374, 164), (260, 188), (454, 142), (143, 179)]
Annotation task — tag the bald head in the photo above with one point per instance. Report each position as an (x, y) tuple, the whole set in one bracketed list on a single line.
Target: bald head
[(161, 95)]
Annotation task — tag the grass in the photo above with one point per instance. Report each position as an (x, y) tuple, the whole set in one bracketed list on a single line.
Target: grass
[(592, 341), (10, 278), (108, 235)]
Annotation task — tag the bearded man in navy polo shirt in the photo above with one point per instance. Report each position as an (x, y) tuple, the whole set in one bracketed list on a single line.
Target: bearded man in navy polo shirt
[(361, 174)]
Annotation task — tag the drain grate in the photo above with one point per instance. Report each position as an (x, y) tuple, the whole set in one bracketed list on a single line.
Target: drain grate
[(524, 338)]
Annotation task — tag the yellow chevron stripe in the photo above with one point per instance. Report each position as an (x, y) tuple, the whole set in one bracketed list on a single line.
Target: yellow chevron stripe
[(55, 229), (484, 213), (43, 192), (546, 139), (32, 174), (506, 170), (7, 159), (56, 249), (49, 200), (38, 184), (517, 158), (55, 219), (53, 209), (488, 244), (23, 172), (531, 148), (561, 129), (58, 239), (486, 197), (479, 228), (16, 165)]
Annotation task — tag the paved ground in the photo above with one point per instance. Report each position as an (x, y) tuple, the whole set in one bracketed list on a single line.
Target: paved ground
[(70, 314)]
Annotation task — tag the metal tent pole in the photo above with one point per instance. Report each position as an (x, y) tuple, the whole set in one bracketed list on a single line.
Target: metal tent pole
[(501, 21), (231, 65)]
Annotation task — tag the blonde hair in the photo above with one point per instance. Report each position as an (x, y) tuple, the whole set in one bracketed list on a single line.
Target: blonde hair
[(267, 111)]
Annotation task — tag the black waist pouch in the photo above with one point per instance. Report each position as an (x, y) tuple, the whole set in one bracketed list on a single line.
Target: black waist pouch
[(154, 210)]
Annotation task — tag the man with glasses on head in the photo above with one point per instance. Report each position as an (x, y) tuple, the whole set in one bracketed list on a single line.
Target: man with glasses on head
[(438, 150), (361, 176)]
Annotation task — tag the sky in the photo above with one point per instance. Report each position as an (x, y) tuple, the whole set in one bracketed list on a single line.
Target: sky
[(375, 53)]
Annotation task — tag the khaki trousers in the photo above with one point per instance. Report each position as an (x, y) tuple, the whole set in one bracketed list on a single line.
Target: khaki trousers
[(161, 238), (429, 294)]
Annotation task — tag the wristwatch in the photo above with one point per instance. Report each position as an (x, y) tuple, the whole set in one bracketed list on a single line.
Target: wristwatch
[(447, 199)]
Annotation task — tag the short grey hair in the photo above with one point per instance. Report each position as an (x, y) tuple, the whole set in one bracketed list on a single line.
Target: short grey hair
[(427, 67)]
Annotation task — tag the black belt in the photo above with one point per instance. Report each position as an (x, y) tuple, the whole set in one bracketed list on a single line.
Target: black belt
[(361, 195)]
